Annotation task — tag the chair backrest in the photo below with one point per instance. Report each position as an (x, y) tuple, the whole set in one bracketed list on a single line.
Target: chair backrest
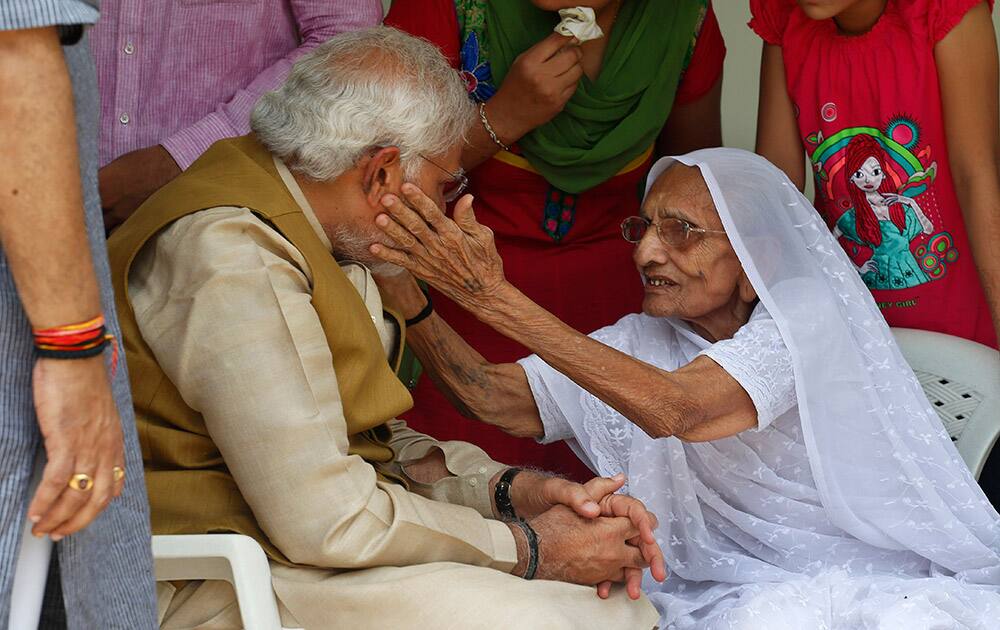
[(961, 379)]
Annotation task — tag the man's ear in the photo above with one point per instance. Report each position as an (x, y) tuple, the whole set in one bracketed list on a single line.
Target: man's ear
[(747, 293), (382, 174)]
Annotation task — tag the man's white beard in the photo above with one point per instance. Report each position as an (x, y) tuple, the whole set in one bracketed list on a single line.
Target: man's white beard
[(352, 244)]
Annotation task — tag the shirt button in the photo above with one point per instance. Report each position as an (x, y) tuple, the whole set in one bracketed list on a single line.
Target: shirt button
[(123, 119), (129, 48), (473, 482), (482, 470)]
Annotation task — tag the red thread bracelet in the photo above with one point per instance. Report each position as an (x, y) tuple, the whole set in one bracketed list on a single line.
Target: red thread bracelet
[(76, 341)]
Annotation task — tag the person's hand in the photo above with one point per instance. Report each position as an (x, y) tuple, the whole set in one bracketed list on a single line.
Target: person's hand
[(533, 493), (910, 202), (82, 434), (869, 266), (612, 504), (539, 83), (892, 198), (586, 551), (130, 179), (458, 257)]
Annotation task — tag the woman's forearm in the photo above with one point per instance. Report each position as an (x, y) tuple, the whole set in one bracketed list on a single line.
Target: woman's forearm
[(497, 394), (479, 144), (653, 399)]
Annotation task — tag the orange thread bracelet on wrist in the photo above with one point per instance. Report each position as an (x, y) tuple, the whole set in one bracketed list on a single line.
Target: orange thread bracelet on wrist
[(76, 341)]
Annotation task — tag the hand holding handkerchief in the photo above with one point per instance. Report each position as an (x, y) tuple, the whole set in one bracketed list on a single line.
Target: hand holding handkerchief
[(579, 22)]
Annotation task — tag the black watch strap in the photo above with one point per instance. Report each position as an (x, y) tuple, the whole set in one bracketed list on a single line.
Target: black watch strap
[(501, 495), (424, 313)]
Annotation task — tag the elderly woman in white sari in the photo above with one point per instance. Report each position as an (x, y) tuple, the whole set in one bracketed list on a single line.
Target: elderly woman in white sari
[(758, 405)]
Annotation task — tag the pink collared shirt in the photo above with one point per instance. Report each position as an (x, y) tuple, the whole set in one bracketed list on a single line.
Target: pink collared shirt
[(185, 73)]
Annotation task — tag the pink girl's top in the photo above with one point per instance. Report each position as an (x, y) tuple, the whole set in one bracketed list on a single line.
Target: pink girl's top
[(868, 109)]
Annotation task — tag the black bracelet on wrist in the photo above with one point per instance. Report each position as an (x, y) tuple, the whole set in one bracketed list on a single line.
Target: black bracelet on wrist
[(424, 313), (501, 494), (529, 533)]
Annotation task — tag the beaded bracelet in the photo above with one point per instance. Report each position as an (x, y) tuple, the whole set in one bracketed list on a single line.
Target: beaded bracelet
[(76, 341), (489, 128)]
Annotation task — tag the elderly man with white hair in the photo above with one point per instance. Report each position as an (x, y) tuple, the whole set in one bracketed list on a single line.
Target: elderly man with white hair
[(257, 346)]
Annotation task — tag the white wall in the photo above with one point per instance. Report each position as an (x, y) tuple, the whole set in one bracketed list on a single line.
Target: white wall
[(741, 74)]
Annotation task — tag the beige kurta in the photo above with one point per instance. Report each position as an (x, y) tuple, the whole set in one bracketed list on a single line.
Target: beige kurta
[(223, 301)]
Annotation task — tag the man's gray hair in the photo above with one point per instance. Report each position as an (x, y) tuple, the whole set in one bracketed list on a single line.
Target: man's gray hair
[(359, 91)]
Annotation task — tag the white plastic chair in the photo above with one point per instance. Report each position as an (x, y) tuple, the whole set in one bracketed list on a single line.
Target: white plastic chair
[(236, 559), (962, 381), (30, 576), (32, 569)]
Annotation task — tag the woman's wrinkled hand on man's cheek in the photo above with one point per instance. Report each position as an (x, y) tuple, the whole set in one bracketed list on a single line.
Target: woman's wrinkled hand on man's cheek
[(456, 255)]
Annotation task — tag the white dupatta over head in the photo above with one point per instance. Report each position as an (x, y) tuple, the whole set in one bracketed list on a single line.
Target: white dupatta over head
[(850, 510)]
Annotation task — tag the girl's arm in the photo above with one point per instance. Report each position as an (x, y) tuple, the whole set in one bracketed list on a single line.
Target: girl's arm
[(777, 134), (969, 101)]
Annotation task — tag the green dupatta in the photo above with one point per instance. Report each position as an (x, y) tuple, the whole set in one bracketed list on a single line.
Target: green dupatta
[(609, 122)]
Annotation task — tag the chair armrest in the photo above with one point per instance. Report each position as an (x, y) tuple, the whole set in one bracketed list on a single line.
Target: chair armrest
[(236, 559)]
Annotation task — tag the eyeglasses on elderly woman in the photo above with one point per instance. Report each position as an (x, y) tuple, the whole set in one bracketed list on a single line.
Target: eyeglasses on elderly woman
[(672, 231)]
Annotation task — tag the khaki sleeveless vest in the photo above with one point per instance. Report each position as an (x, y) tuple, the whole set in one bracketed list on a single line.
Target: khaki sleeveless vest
[(190, 488)]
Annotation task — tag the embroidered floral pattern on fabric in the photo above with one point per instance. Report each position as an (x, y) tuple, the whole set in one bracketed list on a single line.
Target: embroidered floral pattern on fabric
[(757, 358), (475, 65), (610, 433), (476, 70), (560, 213)]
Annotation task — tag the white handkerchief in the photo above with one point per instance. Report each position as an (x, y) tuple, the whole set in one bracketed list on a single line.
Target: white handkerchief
[(579, 22)]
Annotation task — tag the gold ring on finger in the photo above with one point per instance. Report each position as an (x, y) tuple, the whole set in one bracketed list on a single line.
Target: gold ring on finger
[(82, 482), (117, 473)]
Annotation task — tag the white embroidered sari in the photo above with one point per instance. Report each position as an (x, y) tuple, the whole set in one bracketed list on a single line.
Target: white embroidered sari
[(848, 506)]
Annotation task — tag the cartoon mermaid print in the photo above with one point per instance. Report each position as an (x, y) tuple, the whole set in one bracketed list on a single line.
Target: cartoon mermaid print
[(881, 219)]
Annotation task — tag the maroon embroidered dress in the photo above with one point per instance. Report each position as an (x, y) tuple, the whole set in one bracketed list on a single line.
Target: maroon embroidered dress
[(563, 251)]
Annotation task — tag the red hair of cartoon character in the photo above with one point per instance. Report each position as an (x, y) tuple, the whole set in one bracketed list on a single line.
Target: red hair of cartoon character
[(859, 149)]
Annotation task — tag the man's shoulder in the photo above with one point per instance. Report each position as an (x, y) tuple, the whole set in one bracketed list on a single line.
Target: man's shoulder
[(197, 229), (209, 238)]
